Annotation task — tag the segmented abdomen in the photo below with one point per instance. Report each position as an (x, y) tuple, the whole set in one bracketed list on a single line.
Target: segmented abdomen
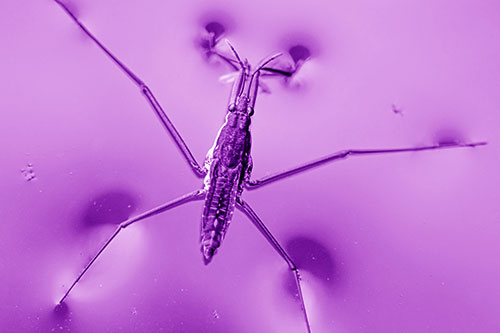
[(219, 208)]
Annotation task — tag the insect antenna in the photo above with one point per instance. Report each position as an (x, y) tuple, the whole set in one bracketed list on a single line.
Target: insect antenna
[(253, 86), (235, 53)]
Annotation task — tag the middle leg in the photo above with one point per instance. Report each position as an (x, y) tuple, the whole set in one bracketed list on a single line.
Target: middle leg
[(343, 154), (148, 94)]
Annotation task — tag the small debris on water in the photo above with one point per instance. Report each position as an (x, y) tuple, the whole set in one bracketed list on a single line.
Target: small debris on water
[(216, 314), (28, 172), (396, 110)]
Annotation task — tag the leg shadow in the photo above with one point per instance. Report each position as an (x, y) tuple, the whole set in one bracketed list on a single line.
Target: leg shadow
[(111, 207), (312, 256)]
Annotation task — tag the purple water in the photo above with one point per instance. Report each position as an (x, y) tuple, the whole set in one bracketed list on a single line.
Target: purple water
[(401, 243)]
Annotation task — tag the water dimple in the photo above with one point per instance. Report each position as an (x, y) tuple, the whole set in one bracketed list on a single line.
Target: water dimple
[(211, 35), (215, 314), (311, 255), (111, 207), (448, 137), (299, 53), (215, 28)]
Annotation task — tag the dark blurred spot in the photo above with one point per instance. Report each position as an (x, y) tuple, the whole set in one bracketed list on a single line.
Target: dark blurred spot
[(213, 31), (311, 256), (215, 28), (301, 47), (111, 207), (61, 311), (396, 110), (59, 320), (299, 53), (215, 24), (448, 137)]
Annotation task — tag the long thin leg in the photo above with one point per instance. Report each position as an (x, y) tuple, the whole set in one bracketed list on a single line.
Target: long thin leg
[(167, 124), (252, 184), (245, 208), (196, 195)]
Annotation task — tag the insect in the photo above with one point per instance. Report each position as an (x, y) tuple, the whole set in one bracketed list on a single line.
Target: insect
[(228, 166)]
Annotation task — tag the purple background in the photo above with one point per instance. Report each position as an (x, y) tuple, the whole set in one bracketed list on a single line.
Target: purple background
[(402, 243)]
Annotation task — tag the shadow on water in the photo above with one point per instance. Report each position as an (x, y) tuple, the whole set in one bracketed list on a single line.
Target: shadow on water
[(448, 136), (299, 53), (311, 256), (111, 207), (214, 25), (59, 320)]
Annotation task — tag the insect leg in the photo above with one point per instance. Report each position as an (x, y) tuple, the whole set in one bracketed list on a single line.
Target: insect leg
[(235, 65), (272, 71), (252, 184), (196, 195), (167, 124), (245, 208)]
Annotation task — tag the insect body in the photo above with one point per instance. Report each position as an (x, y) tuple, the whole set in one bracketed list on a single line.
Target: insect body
[(228, 162), (228, 165)]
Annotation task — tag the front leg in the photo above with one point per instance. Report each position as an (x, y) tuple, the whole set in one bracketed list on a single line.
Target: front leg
[(162, 116), (343, 154), (212, 36)]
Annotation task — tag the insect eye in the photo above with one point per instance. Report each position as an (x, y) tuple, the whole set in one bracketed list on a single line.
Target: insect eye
[(250, 111)]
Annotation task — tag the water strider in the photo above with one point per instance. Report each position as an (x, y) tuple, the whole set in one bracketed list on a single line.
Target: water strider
[(228, 165)]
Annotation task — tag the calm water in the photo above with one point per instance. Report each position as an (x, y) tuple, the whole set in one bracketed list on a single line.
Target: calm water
[(402, 243)]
